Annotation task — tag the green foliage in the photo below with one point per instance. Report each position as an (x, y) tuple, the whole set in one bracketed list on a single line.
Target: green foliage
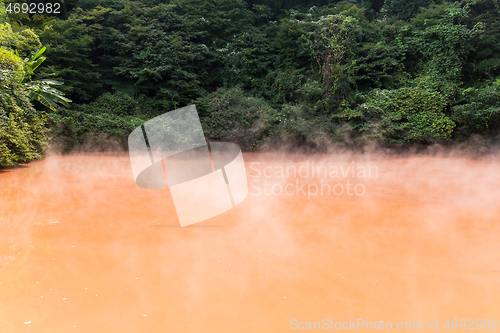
[(110, 118), (229, 115), (331, 45), (403, 9), (249, 57), (21, 140), (83, 124), (300, 125), (485, 62), (23, 40), (217, 18), (69, 47), (118, 103), (479, 110), (282, 86), (22, 129), (438, 51), (378, 65), (307, 71), (43, 90), (63, 131), (404, 115)]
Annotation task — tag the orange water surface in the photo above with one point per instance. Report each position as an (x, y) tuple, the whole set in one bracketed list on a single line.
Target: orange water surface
[(83, 249)]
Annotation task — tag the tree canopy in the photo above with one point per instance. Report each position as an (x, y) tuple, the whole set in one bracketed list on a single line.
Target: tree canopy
[(399, 71)]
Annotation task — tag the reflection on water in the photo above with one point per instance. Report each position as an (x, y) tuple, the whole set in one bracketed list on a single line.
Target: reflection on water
[(83, 249)]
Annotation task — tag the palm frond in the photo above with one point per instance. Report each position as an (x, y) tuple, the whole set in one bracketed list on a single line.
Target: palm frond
[(42, 90)]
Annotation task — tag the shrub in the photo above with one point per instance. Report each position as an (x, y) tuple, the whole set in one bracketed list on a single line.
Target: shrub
[(229, 115), (22, 132), (406, 115), (299, 125), (71, 128), (118, 103), (479, 110)]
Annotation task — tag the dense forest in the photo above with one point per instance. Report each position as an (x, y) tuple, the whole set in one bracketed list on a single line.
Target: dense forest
[(262, 73)]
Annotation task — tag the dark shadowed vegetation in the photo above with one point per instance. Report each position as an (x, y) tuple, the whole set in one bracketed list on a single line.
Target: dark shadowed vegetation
[(260, 72)]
